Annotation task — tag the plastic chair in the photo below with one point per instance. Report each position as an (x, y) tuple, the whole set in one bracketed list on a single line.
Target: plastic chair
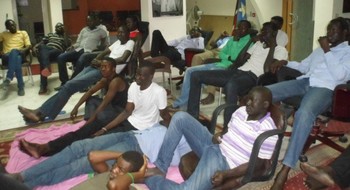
[(27, 62), (251, 174)]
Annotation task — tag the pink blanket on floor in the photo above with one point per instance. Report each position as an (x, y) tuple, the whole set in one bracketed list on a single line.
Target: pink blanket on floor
[(20, 161)]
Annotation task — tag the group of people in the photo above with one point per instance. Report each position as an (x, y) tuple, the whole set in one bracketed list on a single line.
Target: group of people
[(133, 120)]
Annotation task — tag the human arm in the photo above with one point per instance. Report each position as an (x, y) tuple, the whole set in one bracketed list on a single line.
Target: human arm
[(123, 182), (99, 85), (119, 119), (98, 159), (228, 179), (164, 113)]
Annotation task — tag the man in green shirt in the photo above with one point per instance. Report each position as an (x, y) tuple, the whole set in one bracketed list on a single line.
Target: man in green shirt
[(227, 55)]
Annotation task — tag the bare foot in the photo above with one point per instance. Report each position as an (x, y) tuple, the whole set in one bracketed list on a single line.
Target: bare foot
[(153, 171), (281, 178), (312, 184), (32, 149), (208, 100), (29, 115), (317, 173)]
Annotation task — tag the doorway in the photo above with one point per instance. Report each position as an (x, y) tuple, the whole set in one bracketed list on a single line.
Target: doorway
[(299, 25)]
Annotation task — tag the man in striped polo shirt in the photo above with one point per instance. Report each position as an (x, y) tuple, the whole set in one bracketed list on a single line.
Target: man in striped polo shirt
[(222, 156), (49, 49)]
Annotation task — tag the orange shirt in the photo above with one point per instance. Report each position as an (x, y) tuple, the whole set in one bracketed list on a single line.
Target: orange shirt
[(11, 41)]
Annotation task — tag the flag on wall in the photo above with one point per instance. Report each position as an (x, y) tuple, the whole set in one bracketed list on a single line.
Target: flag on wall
[(240, 13)]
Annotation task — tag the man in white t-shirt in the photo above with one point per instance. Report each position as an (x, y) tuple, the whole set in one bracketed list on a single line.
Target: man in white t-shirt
[(146, 103), (282, 37)]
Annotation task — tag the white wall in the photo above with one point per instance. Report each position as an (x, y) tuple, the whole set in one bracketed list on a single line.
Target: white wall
[(8, 9), (215, 7), (267, 9), (323, 13), (52, 15), (171, 26), (338, 9)]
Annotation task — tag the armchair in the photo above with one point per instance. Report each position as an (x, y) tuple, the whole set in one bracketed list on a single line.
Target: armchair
[(189, 161)]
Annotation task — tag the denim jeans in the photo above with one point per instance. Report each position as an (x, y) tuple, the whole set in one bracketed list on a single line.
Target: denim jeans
[(185, 90), (13, 59), (46, 55), (83, 61), (62, 60), (235, 83), (72, 161), (315, 101), (52, 107), (200, 141)]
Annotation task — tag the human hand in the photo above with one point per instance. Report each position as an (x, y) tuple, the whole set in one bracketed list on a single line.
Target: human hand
[(99, 133), (70, 48), (73, 113), (324, 43), (143, 169), (96, 63), (275, 66), (217, 138), (217, 179)]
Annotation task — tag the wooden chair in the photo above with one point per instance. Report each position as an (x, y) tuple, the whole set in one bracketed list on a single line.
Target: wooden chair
[(251, 174), (27, 62)]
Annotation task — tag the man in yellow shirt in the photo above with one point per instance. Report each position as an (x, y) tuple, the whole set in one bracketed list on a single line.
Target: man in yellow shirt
[(15, 44)]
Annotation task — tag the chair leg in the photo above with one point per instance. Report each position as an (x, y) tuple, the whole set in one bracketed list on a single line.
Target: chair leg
[(220, 96), (171, 84), (30, 75)]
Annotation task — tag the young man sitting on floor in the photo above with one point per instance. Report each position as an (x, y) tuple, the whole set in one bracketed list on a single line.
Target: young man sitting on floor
[(222, 156)]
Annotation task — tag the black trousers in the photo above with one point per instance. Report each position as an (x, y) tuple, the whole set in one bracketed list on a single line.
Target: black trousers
[(88, 130), (341, 167), (160, 47)]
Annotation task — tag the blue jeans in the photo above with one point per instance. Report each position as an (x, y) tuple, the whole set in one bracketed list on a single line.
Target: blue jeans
[(55, 104), (186, 85), (315, 101), (13, 59), (62, 60), (83, 61), (46, 55), (200, 141), (72, 161)]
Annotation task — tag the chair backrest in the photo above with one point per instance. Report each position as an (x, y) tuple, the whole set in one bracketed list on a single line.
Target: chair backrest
[(341, 103), (206, 35)]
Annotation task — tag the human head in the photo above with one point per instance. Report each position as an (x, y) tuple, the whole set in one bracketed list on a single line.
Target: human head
[(278, 20), (242, 29), (269, 30), (59, 28), (107, 67), (258, 102), (132, 22), (144, 74), (130, 161), (195, 32), (123, 34), (337, 31), (92, 21), (11, 26)]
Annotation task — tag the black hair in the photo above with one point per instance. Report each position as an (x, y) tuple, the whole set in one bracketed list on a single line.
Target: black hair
[(149, 65), (135, 19), (342, 23), (134, 158), (7, 22), (247, 22), (271, 25), (279, 19), (110, 60), (265, 92)]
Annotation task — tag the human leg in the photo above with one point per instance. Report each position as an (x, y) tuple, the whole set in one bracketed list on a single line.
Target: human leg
[(83, 61), (84, 79), (159, 44), (341, 168), (182, 124), (211, 77), (211, 161), (314, 102), (183, 99), (14, 64), (62, 63), (46, 54), (72, 161)]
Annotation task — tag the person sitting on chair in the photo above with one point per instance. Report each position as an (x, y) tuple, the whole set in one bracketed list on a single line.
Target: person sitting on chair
[(228, 56), (51, 46), (337, 172), (324, 69), (282, 37), (119, 50), (16, 44), (175, 49), (223, 155)]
